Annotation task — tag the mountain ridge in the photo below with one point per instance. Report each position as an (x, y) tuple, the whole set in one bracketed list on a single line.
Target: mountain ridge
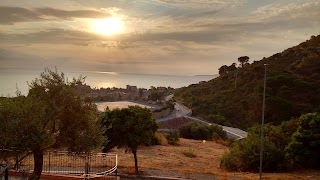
[(235, 98)]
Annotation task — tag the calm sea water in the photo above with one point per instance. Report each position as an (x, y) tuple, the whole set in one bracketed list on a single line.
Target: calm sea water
[(12, 78)]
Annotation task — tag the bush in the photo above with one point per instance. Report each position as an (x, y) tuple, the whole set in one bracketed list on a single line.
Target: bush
[(303, 150), (216, 119), (189, 153), (217, 132), (245, 156), (199, 131), (160, 139), (173, 138)]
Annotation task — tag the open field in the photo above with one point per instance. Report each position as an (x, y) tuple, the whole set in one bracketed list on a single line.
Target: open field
[(171, 161)]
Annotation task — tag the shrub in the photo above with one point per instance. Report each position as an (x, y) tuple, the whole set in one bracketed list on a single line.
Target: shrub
[(189, 153), (173, 138), (225, 142), (245, 156), (217, 132), (305, 142), (216, 119), (199, 131), (160, 139)]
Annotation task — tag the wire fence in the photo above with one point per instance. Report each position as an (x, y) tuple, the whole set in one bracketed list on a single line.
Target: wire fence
[(66, 163)]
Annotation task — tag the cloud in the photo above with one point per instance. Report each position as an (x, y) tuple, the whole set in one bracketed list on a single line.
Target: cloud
[(180, 36), (11, 15), (200, 3), (83, 38), (63, 14), (291, 10)]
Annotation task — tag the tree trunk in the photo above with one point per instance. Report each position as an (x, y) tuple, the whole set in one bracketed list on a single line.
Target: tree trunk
[(134, 152), (38, 164), (6, 174)]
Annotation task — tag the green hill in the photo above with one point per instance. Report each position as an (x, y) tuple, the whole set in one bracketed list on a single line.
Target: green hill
[(293, 88)]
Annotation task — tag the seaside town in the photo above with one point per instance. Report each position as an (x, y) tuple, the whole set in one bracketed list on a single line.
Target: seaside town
[(154, 95)]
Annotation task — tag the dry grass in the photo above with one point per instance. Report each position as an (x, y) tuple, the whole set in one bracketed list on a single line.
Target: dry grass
[(170, 158), (189, 153), (162, 139)]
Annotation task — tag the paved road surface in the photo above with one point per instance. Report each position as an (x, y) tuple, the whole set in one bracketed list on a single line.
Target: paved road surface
[(182, 111)]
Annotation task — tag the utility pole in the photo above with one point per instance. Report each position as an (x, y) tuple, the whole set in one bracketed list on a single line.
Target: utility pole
[(235, 82), (262, 121)]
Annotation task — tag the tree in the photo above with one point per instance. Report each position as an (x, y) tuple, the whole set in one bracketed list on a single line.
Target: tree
[(129, 127), (232, 67), (52, 116), (226, 69), (243, 60), (223, 69), (305, 143), (13, 126), (155, 96)]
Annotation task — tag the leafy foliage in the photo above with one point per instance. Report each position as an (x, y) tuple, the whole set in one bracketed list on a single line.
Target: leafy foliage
[(173, 137), (199, 131), (227, 69), (244, 155), (156, 96), (243, 60), (129, 127), (51, 116), (305, 144), (294, 143)]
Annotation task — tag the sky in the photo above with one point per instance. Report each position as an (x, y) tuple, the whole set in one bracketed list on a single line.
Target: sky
[(173, 37)]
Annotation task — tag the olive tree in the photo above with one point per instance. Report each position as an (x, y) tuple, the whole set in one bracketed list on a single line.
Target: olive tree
[(52, 115)]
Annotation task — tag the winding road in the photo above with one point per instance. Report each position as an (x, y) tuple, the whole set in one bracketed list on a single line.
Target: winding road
[(183, 111)]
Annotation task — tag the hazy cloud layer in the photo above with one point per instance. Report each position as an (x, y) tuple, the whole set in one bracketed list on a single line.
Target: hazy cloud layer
[(11, 15), (160, 36)]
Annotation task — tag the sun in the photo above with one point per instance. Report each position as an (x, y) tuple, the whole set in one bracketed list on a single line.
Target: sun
[(108, 26)]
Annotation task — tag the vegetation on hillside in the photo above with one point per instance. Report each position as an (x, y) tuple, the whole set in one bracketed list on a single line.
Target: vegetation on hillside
[(293, 144), (235, 97)]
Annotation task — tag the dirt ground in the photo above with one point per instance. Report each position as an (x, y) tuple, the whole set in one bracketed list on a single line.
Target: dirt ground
[(170, 161)]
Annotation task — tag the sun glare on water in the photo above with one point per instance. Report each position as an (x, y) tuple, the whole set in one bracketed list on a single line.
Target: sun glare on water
[(108, 26)]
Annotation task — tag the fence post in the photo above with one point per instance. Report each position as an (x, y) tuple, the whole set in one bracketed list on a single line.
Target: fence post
[(116, 164), (87, 164)]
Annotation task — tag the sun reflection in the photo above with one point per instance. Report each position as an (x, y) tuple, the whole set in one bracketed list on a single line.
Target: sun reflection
[(106, 85), (107, 72)]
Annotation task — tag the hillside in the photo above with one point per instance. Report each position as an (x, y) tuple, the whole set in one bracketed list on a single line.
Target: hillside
[(293, 88)]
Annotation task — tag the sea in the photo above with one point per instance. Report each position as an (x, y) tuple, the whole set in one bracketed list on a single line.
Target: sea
[(13, 79)]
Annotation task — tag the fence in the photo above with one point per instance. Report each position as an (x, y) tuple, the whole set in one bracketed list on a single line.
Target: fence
[(62, 162)]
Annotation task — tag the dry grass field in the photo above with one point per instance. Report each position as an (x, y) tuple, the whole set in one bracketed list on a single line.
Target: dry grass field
[(190, 158), (165, 159)]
